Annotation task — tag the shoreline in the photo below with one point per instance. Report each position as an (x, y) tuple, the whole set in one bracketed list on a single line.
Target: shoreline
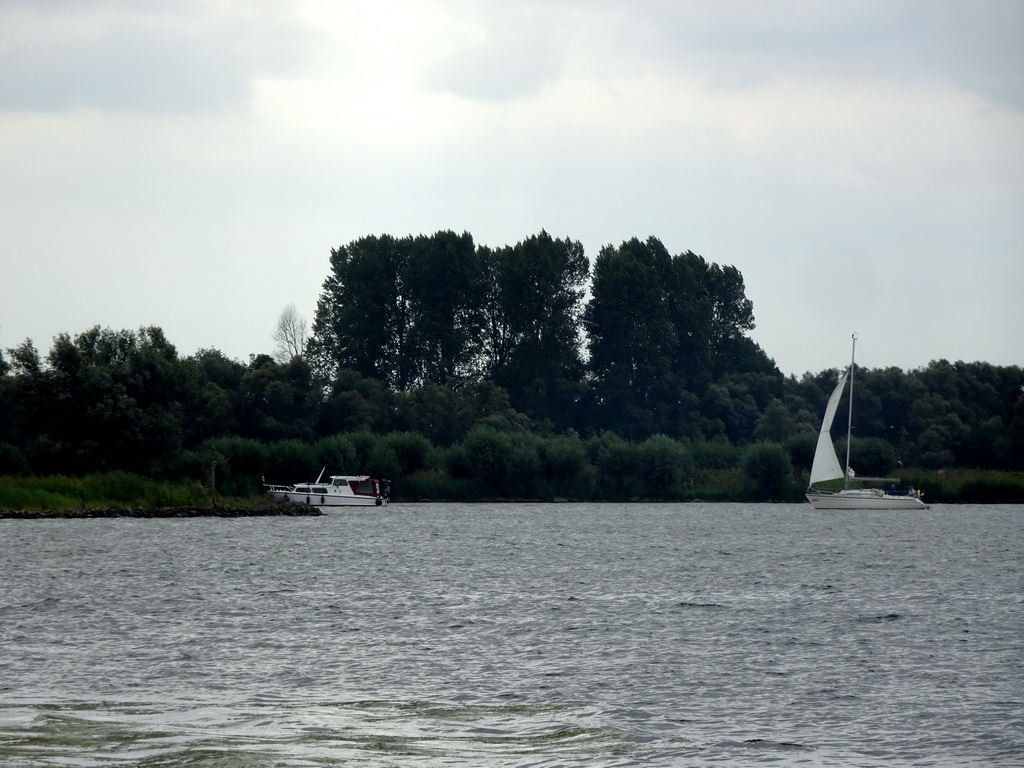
[(277, 509)]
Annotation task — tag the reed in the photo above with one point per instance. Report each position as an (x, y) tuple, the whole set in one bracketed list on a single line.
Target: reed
[(100, 491), (967, 486)]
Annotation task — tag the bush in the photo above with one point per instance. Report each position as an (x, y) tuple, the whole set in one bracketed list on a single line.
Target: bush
[(665, 465), (715, 455), (383, 463), (768, 471), (412, 450), (564, 459), (240, 464), (619, 466), (291, 461), (338, 454), (721, 485), (363, 441), (617, 458), (801, 449), (523, 476), (486, 454)]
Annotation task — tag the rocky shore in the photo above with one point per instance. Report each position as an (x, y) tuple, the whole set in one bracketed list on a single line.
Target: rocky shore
[(273, 509)]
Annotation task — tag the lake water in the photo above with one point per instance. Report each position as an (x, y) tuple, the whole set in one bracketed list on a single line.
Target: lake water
[(516, 635)]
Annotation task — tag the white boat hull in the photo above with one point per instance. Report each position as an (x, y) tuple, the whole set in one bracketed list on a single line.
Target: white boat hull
[(328, 500), (863, 499)]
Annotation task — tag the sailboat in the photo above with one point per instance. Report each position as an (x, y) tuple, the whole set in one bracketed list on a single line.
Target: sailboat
[(826, 466)]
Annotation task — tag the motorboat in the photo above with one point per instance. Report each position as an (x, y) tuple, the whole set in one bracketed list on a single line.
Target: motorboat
[(337, 491)]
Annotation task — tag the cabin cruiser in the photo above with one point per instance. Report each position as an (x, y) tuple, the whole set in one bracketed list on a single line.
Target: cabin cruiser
[(337, 491)]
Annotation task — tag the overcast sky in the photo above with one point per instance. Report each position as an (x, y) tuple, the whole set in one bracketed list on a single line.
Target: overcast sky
[(190, 165)]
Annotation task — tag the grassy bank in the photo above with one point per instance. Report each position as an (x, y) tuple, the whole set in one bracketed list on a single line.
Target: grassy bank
[(111, 490)]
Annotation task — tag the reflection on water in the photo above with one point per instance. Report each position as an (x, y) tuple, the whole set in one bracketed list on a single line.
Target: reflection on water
[(509, 635)]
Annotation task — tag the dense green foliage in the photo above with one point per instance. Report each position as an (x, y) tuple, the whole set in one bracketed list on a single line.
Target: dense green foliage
[(462, 371)]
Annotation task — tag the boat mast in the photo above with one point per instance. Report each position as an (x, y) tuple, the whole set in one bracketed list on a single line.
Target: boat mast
[(849, 416)]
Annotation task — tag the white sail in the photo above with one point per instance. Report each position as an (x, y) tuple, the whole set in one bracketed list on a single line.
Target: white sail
[(826, 464)]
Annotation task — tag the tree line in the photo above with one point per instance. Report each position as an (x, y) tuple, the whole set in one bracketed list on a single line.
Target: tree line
[(429, 354), (641, 356)]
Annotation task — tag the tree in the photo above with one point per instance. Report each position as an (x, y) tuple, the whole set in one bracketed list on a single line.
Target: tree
[(362, 316), (212, 405), (1009, 447), (776, 423), (25, 358), (402, 311), (499, 337), (289, 335), (105, 400), (768, 471), (661, 329), (632, 341), (353, 402), (445, 303), (533, 324), (732, 313), (278, 401), (711, 313)]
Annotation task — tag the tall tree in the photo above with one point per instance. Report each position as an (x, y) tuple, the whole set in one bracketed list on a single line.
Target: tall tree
[(361, 319), (499, 337), (711, 314), (632, 338), (535, 312), (445, 298)]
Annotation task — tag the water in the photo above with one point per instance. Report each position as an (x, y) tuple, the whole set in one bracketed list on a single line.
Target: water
[(516, 635)]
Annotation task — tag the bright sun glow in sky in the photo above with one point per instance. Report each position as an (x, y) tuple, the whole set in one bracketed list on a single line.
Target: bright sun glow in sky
[(190, 165)]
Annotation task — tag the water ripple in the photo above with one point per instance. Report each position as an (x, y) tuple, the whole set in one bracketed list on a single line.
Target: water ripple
[(515, 635)]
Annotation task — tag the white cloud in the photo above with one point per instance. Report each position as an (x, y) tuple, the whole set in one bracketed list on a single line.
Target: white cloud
[(804, 145), (175, 57), (509, 54)]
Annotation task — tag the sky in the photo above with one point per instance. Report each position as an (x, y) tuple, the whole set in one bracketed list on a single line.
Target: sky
[(190, 164)]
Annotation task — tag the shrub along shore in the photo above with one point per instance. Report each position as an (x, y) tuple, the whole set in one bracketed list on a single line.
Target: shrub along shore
[(121, 494)]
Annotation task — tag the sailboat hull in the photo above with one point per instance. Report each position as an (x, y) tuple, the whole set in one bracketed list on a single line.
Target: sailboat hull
[(866, 498)]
